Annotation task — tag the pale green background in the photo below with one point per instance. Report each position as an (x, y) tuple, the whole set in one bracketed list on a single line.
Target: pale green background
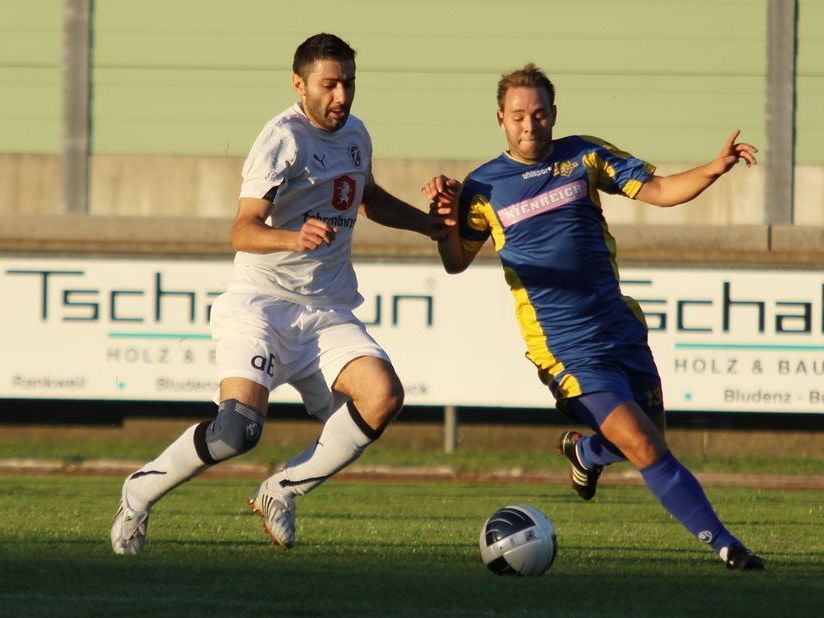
[(663, 79)]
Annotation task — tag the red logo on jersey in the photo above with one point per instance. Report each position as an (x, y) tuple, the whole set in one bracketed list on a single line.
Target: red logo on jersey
[(343, 193)]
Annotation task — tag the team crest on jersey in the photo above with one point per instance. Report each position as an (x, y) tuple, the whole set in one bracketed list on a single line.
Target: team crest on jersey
[(343, 193), (354, 155), (564, 168)]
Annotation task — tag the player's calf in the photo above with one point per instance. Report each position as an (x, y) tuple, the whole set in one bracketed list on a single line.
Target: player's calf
[(344, 437)]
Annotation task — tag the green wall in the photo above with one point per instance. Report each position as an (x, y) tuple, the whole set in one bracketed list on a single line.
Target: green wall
[(664, 79), (810, 83), (30, 59)]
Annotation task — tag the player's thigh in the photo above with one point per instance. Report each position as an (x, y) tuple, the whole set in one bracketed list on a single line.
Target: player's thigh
[(247, 392), (645, 384), (352, 362), (660, 422), (648, 396), (340, 339), (249, 359)]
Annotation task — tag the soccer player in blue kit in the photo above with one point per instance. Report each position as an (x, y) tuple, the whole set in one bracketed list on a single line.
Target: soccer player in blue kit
[(539, 202)]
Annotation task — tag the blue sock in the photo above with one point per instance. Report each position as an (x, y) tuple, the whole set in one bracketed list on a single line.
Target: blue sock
[(596, 450), (681, 494)]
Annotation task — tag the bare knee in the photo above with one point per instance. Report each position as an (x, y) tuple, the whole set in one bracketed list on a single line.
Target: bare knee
[(374, 389), (643, 450), (382, 403)]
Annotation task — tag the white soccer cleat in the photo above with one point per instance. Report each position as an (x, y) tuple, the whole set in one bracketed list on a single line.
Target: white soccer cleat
[(278, 513), (129, 528)]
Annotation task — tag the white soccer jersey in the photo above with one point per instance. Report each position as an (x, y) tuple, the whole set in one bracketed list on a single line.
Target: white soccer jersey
[(307, 173)]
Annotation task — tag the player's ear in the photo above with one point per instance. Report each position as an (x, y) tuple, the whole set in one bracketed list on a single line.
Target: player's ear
[(298, 85), (554, 111), (500, 116)]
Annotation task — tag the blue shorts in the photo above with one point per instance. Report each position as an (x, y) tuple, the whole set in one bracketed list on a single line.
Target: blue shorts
[(617, 383)]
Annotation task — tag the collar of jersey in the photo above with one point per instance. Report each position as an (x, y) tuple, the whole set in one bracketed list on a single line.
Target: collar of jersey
[(538, 164)]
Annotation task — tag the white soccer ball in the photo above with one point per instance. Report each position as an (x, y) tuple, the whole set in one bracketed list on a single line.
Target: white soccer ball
[(518, 540)]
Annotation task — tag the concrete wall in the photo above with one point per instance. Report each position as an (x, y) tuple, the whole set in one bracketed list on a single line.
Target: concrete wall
[(171, 186)]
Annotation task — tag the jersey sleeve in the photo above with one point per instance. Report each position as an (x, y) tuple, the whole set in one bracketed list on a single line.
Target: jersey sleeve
[(616, 171), (370, 180), (473, 224), (272, 158)]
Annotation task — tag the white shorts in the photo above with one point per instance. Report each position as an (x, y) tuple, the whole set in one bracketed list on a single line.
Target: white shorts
[(273, 342)]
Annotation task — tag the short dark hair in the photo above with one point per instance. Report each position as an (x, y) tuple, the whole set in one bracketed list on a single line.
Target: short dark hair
[(529, 76), (320, 47)]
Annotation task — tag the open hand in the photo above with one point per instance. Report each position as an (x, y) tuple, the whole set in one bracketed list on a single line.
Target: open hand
[(732, 152)]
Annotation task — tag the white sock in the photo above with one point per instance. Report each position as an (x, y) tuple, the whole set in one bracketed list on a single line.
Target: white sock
[(177, 464), (341, 442)]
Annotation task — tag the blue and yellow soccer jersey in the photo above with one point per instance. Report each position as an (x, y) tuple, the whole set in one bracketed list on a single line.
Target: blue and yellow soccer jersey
[(546, 222)]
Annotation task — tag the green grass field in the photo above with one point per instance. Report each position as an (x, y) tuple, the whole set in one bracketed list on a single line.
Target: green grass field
[(397, 549)]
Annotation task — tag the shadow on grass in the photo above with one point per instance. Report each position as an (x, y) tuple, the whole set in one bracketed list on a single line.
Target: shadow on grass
[(250, 579)]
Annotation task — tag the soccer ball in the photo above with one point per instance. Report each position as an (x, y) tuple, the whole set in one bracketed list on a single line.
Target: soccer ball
[(518, 540)]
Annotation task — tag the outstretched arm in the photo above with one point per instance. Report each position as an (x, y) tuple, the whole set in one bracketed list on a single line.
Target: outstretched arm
[(443, 193), (384, 208), (679, 188)]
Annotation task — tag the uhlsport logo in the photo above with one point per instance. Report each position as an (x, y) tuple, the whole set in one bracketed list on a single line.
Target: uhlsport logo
[(343, 193)]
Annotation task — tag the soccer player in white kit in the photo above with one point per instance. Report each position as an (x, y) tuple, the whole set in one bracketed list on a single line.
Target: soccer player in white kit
[(286, 316)]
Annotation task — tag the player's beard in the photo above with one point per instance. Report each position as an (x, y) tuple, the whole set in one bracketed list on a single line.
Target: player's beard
[(326, 118), (337, 117)]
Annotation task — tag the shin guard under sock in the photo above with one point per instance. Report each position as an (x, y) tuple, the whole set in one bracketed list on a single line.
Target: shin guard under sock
[(342, 440), (680, 493), (177, 464)]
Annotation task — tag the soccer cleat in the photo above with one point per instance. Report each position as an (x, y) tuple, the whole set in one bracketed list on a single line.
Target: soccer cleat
[(739, 558), (278, 513), (584, 481), (129, 528)]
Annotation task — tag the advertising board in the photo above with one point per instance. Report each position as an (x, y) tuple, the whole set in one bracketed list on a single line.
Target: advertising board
[(724, 340)]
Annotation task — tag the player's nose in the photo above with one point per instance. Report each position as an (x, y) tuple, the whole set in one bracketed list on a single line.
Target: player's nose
[(341, 94)]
